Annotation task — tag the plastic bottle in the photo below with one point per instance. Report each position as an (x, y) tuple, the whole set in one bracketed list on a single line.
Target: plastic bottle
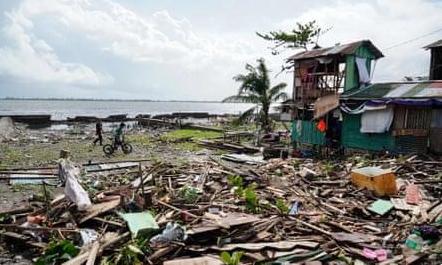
[(414, 242)]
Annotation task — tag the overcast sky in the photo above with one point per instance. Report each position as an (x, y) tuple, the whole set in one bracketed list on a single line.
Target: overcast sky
[(188, 50)]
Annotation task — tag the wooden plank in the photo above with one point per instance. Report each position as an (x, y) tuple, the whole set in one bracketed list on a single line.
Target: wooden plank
[(280, 245), (24, 239), (93, 253), (42, 229), (194, 261), (232, 219), (108, 240), (110, 222), (97, 209)]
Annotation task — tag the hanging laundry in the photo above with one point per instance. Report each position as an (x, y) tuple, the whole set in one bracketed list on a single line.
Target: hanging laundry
[(377, 120), (364, 76)]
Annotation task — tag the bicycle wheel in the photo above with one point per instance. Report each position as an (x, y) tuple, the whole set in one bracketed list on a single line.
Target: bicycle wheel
[(108, 149), (127, 148)]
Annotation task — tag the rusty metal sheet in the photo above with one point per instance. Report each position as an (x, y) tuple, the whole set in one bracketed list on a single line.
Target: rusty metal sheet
[(325, 104)]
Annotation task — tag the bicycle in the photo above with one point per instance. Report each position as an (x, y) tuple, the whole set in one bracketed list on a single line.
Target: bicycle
[(109, 149)]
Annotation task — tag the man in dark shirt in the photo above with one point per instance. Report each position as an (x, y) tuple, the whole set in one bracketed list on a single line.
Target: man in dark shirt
[(119, 134), (99, 133)]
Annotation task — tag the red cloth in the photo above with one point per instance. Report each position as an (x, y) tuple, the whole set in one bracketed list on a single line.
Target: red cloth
[(321, 126)]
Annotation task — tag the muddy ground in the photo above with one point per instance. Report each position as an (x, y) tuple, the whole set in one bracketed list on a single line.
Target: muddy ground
[(39, 148)]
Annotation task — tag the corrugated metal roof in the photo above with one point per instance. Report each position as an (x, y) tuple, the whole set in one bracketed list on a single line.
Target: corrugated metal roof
[(434, 44), (345, 49), (424, 89)]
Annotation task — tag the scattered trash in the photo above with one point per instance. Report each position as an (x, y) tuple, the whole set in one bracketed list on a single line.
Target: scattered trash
[(414, 242), (381, 207), (381, 181), (296, 210), (88, 236), (412, 194), (378, 254), (35, 219), (140, 222), (172, 232), (73, 190)]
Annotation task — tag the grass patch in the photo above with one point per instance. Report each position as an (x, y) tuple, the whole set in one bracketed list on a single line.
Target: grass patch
[(140, 139), (8, 156), (190, 134)]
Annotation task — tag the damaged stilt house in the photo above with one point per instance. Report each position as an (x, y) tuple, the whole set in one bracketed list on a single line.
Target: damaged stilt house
[(337, 106), (400, 117), (320, 75)]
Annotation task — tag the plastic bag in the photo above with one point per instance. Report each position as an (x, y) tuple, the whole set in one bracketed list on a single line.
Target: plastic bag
[(73, 190), (88, 236), (172, 232)]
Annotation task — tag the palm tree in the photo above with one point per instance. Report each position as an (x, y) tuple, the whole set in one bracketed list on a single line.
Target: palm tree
[(255, 88)]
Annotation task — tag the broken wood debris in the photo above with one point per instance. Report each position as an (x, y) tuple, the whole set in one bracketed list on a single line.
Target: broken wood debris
[(293, 210)]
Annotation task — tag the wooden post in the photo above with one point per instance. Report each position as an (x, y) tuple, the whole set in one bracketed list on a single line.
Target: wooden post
[(140, 175)]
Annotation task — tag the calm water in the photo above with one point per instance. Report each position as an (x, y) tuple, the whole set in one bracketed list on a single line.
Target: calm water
[(102, 109)]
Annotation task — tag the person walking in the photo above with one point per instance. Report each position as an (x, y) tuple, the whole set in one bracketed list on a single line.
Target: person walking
[(99, 132)]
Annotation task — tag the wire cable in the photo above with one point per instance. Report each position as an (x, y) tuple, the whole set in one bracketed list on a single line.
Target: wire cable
[(413, 39)]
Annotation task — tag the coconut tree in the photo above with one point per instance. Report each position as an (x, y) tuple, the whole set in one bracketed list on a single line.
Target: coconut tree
[(255, 88)]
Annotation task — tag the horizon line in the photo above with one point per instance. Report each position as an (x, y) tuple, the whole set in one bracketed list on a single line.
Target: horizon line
[(110, 99)]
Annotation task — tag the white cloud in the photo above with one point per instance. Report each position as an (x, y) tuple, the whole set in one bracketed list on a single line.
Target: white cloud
[(187, 60), (157, 39), (386, 23), (31, 59)]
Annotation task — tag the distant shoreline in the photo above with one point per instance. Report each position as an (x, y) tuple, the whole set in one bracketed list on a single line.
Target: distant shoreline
[(115, 100)]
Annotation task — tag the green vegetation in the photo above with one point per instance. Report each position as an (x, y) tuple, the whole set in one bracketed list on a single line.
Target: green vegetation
[(237, 183), (8, 156), (233, 259), (255, 88), (5, 218), (248, 194), (297, 38), (140, 140), (58, 252), (282, 206), (184, 138), (189, 134), (328, 167), (132, 253), (252, 202), (188, 194)]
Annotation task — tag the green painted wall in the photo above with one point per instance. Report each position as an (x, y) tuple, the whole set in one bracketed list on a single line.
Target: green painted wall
[(351, 71), (353, 138), (308, 133)]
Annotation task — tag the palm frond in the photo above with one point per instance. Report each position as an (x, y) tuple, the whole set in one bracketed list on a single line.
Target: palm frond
[(281, 96), (245, 116), (263, 74), (275, 90)]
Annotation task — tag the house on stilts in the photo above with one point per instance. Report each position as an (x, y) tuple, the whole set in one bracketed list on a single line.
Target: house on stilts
[(335, 104)]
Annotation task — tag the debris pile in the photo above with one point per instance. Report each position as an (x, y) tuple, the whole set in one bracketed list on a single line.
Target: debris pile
[(7, 129), (228, 211)]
